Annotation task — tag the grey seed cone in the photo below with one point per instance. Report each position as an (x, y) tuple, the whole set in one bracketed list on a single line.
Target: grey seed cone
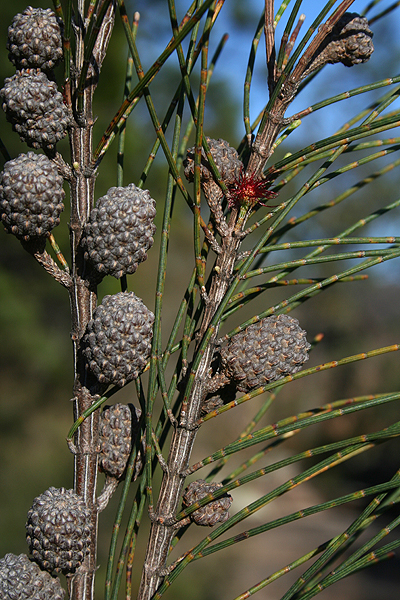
[(22, 579), (31, 196), (58, 530), (119, 426), (117, 341), (120, 230), (266, 351), (212, 513), (351, 40), (34, 39), (225, 157), (35, 108)]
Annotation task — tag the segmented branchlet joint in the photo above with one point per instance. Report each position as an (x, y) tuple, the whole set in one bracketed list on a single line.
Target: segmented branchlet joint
[(117, 342), (31, 196), (266, 351), (120, 231), (58, 530), (350, 43), (35, 108), (22, 579), (216, 511), (34, 39)]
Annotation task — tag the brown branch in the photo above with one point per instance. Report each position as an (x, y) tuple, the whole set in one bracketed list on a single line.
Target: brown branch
[(263, 144), (293, 38), (269, 32), (164, 525), (83, 296), (323, 31)]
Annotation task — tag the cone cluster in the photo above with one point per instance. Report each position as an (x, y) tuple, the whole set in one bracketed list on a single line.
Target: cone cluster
[(117, 342), (30, 98)]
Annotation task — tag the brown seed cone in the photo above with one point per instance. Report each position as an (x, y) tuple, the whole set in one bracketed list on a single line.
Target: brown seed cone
[(350, 42), (117, 342), (31, 196), (212, 513), (35, 108), (22, 579), (225, 157), (58, 530), (120, 230), (34, 39), (274, 347), (119, 426)]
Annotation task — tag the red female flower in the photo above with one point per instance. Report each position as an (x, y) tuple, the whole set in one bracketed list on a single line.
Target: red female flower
[(248, 190)]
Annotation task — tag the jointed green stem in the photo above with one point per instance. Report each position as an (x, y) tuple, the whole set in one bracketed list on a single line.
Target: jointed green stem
[(307, 512), (258, 504), (249, 76), (138, 91), (304, 419)]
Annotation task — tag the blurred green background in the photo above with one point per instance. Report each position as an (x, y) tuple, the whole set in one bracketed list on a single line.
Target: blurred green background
[(35, 350)]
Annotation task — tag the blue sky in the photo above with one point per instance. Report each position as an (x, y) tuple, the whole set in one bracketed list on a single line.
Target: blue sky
[(233, 61)]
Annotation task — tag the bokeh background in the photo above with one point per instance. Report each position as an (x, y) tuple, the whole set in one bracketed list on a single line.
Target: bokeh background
[(35, 350)]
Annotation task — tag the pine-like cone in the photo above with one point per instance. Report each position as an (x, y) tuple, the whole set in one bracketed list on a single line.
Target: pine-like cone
[(274, 347), (117, 342), (212, 513), (119, 426), (31, 196), (58, 530), (22, 579), (34, 39), (225, 157), (120, 230), (35, 108), (350, 41)]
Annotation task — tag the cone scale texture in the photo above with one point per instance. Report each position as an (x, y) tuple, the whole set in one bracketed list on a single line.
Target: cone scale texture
[(120, 231), (212, 513), (31, 196), (58, 530), (118, 431), (226, 160), (22, 579), (274, 347), (34, 39), (35, 108), (117, 341)]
